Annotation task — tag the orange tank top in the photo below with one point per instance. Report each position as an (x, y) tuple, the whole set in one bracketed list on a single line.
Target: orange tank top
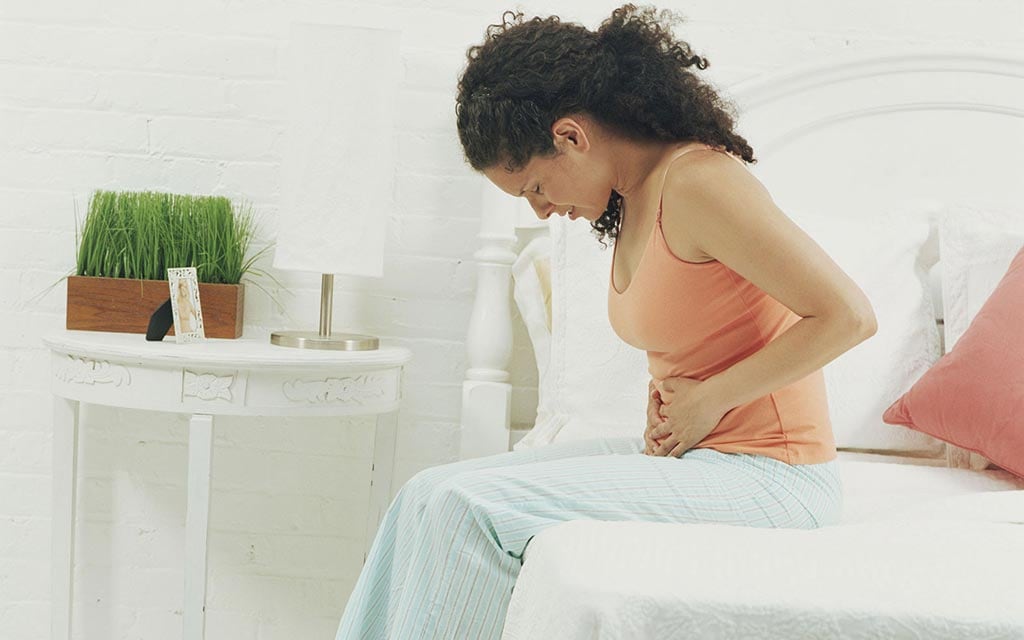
[(695, 319)]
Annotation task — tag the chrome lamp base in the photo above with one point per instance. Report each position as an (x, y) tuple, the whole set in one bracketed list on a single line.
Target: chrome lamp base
[(324, 339), (335, 341)]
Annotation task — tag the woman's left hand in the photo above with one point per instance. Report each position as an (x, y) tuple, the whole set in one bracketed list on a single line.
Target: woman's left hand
[(689, 416)]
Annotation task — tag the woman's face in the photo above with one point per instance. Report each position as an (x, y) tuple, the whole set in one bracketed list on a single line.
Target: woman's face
[(572, 183)]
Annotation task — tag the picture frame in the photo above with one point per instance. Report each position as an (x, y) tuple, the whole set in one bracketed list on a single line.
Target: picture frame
[(186, 307)]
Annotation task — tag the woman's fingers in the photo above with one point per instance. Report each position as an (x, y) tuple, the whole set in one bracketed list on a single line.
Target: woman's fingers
[(649, 440), (649, 443), (653, 416), (654, 419)]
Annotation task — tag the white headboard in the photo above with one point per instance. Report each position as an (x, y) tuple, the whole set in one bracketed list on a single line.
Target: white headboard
[(834, 136)]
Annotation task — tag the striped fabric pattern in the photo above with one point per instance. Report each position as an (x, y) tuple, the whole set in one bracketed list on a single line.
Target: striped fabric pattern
[(450, 546)]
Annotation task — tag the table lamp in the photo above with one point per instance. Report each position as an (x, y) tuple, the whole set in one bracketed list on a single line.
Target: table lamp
[(337, 164)]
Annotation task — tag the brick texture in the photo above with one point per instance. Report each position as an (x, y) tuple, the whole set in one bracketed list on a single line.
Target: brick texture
[(186, 97)]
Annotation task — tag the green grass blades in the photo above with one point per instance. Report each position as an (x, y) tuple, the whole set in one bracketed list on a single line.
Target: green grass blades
[(141, 234)]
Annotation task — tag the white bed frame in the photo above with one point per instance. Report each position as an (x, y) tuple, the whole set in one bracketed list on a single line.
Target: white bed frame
[(911, 125)]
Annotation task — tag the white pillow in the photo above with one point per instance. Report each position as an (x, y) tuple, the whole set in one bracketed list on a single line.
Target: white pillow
[(596, 380), (886, 256), (976, 243), (598, 384), (531, 277)]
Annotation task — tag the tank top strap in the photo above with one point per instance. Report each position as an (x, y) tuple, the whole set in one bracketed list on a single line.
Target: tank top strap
[(661, 200)]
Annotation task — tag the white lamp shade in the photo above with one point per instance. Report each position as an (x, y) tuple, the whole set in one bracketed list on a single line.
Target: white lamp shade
[(338, 158)]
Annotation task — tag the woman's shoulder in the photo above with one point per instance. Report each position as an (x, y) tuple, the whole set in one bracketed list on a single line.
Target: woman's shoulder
[(702, 188), (702, 163), (709, 176)]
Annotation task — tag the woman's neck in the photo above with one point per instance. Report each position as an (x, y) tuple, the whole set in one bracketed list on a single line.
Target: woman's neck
[(640, 171), (634, 165)]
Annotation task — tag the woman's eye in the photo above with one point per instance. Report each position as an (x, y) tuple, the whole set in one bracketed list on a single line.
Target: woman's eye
[(537, 189)]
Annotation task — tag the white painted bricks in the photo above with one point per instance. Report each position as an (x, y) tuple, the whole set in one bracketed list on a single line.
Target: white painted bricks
[(185, 97)]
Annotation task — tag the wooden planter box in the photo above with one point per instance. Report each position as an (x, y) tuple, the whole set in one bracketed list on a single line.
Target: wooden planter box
[(124, 305)]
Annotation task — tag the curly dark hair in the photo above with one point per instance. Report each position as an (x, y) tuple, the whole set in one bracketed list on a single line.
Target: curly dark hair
[(631, 76)]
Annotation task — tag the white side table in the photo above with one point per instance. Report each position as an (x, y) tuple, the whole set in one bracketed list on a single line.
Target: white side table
[(207, 379)]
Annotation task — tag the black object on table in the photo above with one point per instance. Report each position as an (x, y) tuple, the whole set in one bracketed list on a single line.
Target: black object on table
[(160, 322)]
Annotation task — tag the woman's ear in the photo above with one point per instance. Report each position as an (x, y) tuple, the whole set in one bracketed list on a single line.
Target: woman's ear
[(570, 133)]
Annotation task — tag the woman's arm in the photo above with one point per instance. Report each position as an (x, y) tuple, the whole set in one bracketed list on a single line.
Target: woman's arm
[(802, 349), (694, 408), (731, 217)]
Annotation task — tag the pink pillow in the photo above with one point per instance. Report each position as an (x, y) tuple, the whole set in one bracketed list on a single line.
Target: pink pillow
[(973, 396)]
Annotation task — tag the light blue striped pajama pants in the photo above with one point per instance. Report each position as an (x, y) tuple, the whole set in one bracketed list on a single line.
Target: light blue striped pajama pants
[(451, 544)]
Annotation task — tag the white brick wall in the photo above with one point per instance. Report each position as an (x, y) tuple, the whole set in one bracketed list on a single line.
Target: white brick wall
[(185, 97)]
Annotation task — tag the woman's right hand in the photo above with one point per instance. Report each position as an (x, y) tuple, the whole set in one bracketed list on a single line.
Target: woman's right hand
[(653, 417)]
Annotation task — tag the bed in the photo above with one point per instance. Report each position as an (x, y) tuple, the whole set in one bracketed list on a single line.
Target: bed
[(905, 167)]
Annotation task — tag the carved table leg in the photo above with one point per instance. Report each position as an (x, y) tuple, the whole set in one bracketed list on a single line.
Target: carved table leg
[(65, 473), (197, 524)]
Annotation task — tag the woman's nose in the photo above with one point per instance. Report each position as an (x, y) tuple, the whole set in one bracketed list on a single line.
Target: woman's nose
[(544, 212)]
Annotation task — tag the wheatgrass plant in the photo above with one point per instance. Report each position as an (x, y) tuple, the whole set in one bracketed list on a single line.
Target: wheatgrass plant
[(141, 234)]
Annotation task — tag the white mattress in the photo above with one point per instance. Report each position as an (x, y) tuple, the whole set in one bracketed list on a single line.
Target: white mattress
[(923, 552), (874, 491)]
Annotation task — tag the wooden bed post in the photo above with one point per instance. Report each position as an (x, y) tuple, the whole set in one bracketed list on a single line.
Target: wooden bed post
[(486, 392)]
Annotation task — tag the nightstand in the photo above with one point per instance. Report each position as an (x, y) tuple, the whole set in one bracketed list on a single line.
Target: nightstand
[(205, 379)]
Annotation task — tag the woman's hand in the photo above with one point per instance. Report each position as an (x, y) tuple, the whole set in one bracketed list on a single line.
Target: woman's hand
[(654, 417), (689, 416)]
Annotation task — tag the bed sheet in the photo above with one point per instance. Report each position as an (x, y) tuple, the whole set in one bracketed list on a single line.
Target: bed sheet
[(924, 552), (874, 491)]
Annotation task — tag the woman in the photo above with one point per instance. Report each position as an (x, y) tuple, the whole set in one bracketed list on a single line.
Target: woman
[(737, 308), (186, 311)]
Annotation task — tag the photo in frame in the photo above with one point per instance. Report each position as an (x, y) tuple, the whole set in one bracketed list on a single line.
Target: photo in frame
[(185, 305)]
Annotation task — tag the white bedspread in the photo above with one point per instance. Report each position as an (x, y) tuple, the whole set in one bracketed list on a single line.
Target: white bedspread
[(875, 491), (924, 553)]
